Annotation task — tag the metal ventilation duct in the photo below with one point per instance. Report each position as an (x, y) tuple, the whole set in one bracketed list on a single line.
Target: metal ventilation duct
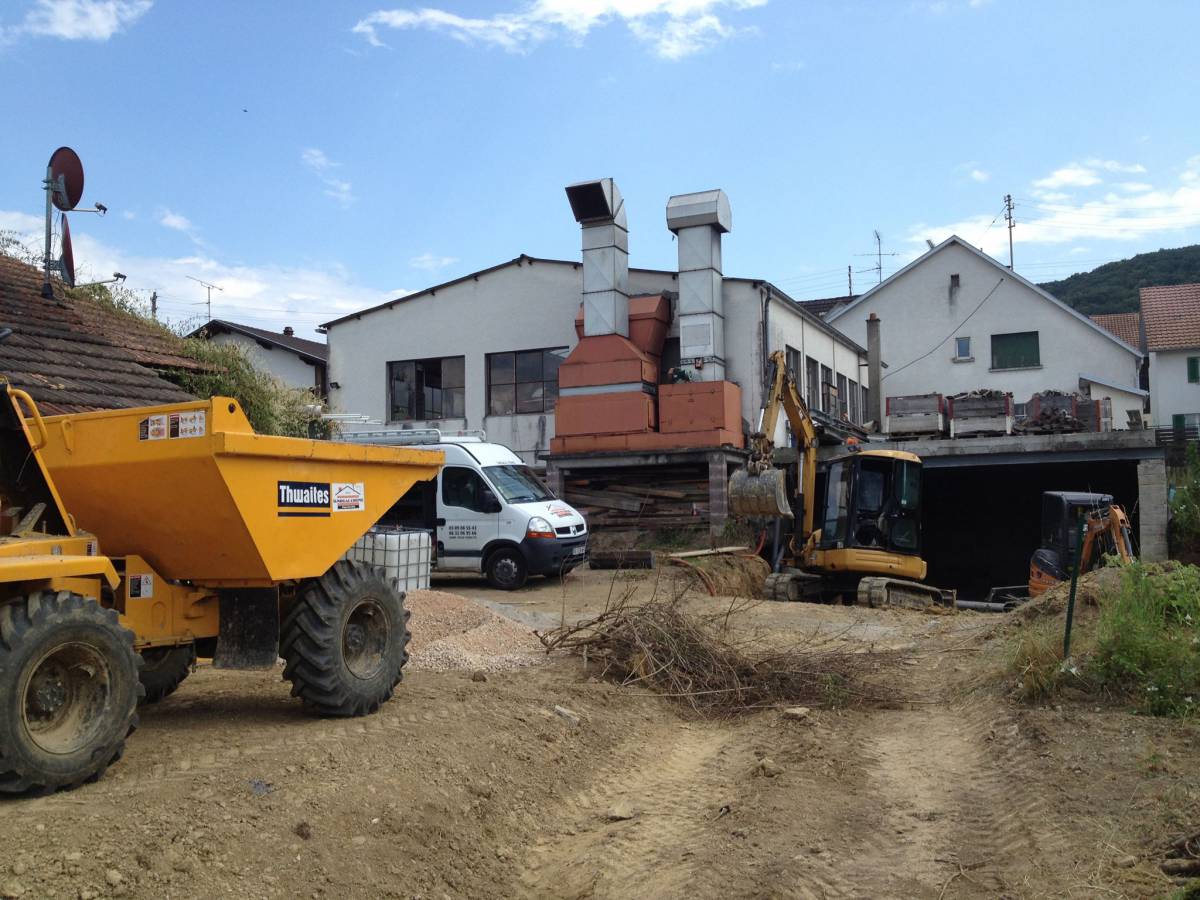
[(600, 210), (698, 221)]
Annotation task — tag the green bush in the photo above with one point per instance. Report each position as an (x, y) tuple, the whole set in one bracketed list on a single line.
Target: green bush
[(271, 406), (1185, 504), (1148, 639)]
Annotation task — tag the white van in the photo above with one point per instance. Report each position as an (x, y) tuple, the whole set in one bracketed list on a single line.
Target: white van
[(489, 511)]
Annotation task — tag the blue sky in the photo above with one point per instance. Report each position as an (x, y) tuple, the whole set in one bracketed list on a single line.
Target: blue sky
[(316, 158)]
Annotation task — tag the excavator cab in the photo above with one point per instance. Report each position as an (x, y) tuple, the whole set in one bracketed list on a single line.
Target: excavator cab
[(872, 501), (1063, 514)]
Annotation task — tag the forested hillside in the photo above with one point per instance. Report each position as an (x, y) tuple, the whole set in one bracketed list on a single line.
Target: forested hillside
[(1113, 287)]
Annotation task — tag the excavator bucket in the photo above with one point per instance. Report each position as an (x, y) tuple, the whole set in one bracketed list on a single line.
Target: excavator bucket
[(763, 495)]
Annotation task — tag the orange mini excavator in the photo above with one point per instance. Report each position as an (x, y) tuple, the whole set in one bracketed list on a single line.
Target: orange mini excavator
[(1063, 513)]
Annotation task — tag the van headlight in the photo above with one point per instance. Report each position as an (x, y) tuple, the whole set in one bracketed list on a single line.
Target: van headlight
[(539, 528)]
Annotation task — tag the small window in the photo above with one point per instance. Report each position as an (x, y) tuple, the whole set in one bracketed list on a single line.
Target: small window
[(962, 348), (1016, 351), (954, 281), (812, 382), (828, 390), (525, 381), (855, 412), (840, 409), (1193, 369)]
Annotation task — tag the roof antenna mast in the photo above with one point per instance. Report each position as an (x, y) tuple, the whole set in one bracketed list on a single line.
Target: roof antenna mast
[(209, 288)]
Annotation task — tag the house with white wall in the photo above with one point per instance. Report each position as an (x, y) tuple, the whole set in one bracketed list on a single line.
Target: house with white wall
[(482, 351), (297, 362), (955, 320), (1171, 318)]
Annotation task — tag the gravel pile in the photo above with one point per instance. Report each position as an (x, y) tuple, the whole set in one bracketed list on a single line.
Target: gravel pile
[(452, 632)]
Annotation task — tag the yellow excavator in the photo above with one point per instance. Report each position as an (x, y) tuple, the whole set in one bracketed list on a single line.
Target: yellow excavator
[(866, 544)]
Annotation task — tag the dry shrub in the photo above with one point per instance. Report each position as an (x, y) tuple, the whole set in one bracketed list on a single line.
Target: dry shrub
[(704, 662)]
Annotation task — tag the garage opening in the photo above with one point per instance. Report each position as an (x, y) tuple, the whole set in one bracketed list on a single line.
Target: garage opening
[(981, 524)]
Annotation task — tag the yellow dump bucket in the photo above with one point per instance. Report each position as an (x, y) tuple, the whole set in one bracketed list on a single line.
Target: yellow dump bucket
[(194, 491)]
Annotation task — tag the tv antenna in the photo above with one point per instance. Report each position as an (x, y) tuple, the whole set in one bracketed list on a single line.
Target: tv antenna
[(879, 255), (210, 288)]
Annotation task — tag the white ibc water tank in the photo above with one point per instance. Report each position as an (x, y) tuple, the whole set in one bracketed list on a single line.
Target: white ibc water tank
[(402, 554)]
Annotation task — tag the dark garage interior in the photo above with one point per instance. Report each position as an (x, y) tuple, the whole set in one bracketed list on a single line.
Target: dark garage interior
[(981, 524)]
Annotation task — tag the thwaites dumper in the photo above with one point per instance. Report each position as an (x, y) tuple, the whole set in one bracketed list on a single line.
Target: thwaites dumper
[(131, 540)]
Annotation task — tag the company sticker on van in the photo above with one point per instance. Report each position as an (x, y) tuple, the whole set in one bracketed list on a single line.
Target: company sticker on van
[(303, 499), (349, 496), (562, 512)]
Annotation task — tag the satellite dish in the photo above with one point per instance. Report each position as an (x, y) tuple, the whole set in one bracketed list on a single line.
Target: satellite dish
[(66, 178), (67, 264)]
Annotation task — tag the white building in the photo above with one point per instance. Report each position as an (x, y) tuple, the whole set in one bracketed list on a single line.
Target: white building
[(956, 320), (482, 351), (296, 362), (1171, 317)]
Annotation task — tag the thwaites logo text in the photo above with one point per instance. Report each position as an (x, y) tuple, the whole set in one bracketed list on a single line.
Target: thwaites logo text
[(303, 498)]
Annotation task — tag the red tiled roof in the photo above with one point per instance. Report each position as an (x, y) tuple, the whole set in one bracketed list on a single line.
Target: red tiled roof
[(1127, 326), (1172, 316), (74, 354)]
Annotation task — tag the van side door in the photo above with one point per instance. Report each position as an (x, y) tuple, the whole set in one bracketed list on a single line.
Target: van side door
[(468, 518)]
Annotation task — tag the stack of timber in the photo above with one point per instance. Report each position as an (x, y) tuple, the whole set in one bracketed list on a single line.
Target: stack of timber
[(634, 497), (981, 412), (1061, 412)]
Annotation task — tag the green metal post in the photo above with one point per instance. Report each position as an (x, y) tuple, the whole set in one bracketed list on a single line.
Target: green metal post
[(1074, 583)]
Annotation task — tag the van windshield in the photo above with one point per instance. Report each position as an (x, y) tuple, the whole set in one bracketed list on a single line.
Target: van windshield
[(517, 484)]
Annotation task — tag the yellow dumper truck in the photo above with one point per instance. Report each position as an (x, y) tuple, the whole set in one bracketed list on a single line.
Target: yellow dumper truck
[(131, 540)]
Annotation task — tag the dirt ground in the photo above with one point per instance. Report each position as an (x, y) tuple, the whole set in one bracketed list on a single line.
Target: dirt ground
[(462, 787)]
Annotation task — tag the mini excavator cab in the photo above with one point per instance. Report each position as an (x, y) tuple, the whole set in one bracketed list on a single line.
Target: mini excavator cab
[(1063, 514), (872, 501)]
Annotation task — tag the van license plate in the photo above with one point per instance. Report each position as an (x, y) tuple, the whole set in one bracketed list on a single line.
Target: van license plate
[(578, 551)]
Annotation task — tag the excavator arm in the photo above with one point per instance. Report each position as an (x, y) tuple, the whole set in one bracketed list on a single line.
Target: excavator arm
[(760, 489), (1106, 531)]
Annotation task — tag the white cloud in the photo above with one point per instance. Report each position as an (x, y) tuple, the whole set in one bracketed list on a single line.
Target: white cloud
[(979, 175), (1135, 187), (1111, 165), (675, 28), (336, 188), (1073, 175), (1079, 251), (431, 262), (174, 221), (79, 20), (1169, 209)]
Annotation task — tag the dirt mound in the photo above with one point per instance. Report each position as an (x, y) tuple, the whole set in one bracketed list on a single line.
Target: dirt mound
[(453, 632), (1090, 592), (732, 575)]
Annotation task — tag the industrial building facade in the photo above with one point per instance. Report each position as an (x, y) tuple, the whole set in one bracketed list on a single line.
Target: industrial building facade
[(483, 351)]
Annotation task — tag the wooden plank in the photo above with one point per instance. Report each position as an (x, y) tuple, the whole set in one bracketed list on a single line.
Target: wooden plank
[(646, 491), (691, 554), (608, 501)]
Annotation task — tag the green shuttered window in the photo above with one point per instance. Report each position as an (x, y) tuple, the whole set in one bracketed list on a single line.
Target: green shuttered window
[(1015, 351), (1193, 369)]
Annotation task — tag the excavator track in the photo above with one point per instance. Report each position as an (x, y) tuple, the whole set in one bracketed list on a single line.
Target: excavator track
[(880, 591)]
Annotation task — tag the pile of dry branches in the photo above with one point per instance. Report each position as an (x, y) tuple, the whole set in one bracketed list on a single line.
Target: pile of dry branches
[(703, 662)]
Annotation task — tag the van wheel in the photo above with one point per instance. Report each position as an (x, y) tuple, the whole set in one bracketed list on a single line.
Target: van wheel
[(68, 691), (506, 569), (346, 640)]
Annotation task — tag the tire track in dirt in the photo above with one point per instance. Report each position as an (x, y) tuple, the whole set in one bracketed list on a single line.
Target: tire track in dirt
[(672, 784)]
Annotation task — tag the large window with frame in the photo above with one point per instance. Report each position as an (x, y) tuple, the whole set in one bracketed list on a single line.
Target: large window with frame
[(424, 389), (828, 390), (812, 383), (852, 400), (1018, 350), (523, 381)]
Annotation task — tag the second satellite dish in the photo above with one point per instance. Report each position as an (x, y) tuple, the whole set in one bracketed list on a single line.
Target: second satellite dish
[(66, 178), (67, 264)]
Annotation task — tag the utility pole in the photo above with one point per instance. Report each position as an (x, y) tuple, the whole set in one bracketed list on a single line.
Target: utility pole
[(154, 305), (879, 255), (209, 288), (849, 281), (1008, 217)]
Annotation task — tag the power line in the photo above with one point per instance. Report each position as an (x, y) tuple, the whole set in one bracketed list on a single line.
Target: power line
[(951, 334)]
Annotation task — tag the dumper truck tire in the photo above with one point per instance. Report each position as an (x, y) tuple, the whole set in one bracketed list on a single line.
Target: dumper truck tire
[(345, 640), (69, 691), (164, 668)]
